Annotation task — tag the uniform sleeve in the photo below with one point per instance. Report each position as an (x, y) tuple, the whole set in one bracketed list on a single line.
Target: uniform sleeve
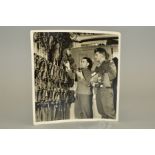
[(71, 74), (87, 75), (108, 68), (112, 71)]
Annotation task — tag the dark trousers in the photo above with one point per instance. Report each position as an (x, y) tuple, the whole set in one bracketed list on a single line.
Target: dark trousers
[(114, 85), (104, 101), (83, 106)]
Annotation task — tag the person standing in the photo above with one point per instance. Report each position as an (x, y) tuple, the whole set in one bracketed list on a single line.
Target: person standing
[(104, 73), (114, 83), (83, 104)]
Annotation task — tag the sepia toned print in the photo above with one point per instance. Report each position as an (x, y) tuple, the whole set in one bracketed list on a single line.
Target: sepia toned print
[(75, 75)]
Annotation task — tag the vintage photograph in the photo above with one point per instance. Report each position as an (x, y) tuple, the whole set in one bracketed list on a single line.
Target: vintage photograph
[(75, 75)]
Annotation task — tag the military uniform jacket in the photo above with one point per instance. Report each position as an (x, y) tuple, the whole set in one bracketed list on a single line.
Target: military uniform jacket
[(107, 72)]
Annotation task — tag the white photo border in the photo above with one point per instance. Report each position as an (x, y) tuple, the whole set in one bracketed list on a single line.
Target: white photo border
[(75, 120)]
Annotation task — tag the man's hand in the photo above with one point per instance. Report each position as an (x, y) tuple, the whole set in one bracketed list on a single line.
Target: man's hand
[(94, 79), (68, 52), (67, 65), (79, 74)]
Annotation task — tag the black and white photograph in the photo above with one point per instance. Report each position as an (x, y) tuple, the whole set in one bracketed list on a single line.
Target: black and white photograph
[(75, 75)]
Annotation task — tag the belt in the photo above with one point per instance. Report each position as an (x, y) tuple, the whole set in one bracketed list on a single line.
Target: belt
[(102, 86)]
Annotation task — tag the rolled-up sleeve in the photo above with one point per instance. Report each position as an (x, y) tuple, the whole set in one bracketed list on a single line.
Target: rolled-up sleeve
[(71, 74), (112, 71)]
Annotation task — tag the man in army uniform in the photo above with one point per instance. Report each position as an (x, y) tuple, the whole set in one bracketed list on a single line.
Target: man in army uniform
[(102, 78), (83, 104)]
